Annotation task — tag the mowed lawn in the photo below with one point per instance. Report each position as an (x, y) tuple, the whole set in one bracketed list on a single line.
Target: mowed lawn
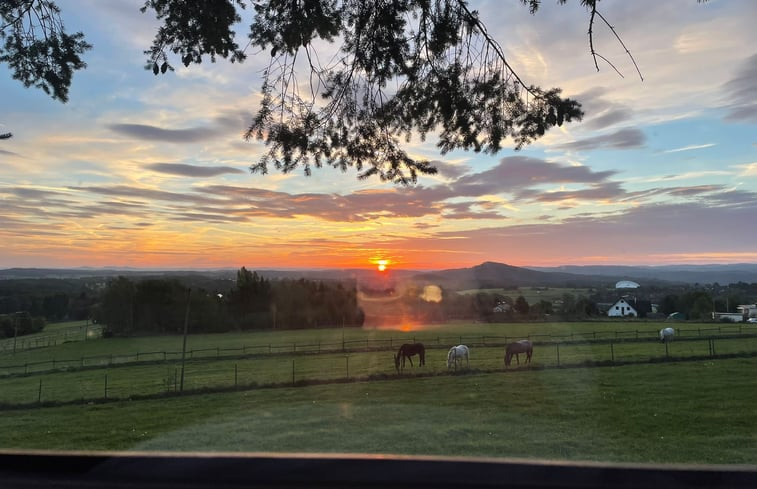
[(689, 412)]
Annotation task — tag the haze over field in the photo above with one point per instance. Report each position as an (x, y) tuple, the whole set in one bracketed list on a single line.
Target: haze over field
[(145, 171)]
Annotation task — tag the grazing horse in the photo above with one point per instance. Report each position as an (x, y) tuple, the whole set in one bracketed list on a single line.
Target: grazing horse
[(456, 354), (407, 350), (522, 346), (666, 334)]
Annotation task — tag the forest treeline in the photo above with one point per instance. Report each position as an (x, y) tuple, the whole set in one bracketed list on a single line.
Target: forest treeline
[(130, 305), (160, 305)]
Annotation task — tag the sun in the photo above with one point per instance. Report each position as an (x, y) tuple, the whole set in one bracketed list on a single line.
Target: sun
[(382, 265)]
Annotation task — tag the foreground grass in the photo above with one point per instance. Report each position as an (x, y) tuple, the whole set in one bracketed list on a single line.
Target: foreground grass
[(691, 412)]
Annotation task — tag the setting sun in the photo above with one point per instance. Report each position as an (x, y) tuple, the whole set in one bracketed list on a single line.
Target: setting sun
[(382, 265)]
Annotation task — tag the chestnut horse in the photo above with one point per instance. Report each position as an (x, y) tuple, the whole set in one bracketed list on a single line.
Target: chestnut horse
[(522, 346), (408, 350)]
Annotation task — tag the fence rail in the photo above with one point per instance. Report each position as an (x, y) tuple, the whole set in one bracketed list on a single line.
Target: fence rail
[(44, 340), (223, 374), (366, 345)]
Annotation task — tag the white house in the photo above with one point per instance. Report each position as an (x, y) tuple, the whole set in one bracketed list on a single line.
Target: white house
[(748, 310), (622, 308), (735, 317)]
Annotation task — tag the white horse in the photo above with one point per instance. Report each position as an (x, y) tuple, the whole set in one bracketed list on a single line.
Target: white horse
[(456, 354), (666, 334)]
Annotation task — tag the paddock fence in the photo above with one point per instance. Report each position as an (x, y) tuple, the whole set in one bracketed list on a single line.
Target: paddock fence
[(46, 340), (365, 345), (139, 381)]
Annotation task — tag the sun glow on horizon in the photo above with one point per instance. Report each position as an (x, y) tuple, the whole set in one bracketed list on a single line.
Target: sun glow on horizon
[(381, 265)]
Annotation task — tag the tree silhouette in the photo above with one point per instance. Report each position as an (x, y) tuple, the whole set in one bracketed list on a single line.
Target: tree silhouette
[(394, 69)]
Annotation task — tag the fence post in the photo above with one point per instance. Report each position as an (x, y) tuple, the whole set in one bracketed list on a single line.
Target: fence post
[(319, 347), (39, 396), (667, 355), (292, 371), (235, 376), (713, 347), (558, 352), (612, 353), (106, 386), (347, 358)]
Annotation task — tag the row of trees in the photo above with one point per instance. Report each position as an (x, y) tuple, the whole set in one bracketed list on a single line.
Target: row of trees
[(53, 300), (19, 324), (159, 305)]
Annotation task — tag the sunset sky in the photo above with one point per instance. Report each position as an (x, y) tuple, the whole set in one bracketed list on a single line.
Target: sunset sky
[(144, 171)]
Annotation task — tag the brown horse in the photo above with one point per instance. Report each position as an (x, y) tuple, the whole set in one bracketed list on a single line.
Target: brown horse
[(408, 350), (522, 346)]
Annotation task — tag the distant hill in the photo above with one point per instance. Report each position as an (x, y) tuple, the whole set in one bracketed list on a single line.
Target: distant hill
[(690, 274), (485, 275), (490, 275)]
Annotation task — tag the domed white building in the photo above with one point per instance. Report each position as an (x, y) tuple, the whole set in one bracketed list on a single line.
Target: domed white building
[(627, 284)]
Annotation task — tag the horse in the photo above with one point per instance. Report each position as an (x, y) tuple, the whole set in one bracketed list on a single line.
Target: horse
[(457, 353), (522, 346), (666, 334), (407, 350)]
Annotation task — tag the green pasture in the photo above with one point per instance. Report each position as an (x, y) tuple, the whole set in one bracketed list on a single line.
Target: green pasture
[(152, 376), (679, 412), (54, 334), (99, 350), (534, 294)]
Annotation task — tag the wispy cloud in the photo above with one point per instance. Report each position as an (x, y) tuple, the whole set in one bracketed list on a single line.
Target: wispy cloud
[(741, 92), (629, 138), (152, 133), (191, 170), (690, 148)]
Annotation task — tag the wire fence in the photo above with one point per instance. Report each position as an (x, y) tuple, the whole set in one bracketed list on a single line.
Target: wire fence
[(44, 340), (223, 374), (362, 345)]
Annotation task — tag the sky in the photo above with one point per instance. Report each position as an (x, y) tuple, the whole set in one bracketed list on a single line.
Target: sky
[(138, 170)]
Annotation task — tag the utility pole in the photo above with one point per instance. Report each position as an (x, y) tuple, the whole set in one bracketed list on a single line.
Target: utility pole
[(16, 317), (184, 344)]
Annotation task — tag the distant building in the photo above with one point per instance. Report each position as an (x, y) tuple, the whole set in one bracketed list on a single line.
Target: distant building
[(627, 284), (622, 309), (736, 317), (748, 310)]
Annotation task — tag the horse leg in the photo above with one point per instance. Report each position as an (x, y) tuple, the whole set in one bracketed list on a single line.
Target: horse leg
[(410, 358)]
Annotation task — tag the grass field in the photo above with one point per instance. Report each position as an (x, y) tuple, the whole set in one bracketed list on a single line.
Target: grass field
[(701, 412), (698, 411), (534, 294)]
